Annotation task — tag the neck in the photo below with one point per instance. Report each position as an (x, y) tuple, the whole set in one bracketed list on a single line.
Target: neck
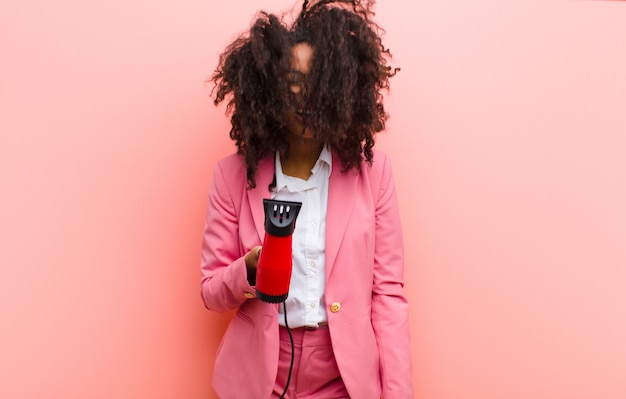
[(301, 157)]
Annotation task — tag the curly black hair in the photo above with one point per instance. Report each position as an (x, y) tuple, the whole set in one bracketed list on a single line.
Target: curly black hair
[(350, 67)]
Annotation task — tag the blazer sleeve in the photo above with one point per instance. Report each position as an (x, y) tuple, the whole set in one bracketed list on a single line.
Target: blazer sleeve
[(224, 283), (389, 305)]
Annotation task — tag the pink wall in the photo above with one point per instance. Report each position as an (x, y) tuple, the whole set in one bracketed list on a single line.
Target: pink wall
[(507, 135)]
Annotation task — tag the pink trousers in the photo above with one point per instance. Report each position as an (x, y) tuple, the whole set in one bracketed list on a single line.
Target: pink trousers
[(315, 374)]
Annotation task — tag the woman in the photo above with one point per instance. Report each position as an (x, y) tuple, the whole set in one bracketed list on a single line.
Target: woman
[(305, 104)]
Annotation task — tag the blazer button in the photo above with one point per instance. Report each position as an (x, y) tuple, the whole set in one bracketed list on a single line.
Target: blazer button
[(335, 307), (249, 295)]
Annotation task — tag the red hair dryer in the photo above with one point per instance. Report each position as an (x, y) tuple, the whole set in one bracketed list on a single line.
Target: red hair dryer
[(273, 272)]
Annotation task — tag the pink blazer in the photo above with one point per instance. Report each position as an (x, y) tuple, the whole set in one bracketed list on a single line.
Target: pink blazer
[(367, 309)]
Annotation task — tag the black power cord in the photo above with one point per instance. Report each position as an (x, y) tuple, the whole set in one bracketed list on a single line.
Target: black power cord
[(292, 350)]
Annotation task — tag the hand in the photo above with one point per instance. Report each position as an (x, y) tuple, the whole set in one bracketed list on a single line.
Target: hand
[(252, 257), (252, 260)]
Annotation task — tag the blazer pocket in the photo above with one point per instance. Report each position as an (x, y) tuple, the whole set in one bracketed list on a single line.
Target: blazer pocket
[(245, 318)]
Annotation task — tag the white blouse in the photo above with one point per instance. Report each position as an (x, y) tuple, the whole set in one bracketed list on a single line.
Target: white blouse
[(305, 302)]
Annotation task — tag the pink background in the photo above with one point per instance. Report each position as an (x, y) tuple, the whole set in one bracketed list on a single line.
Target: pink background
[(507, 135)]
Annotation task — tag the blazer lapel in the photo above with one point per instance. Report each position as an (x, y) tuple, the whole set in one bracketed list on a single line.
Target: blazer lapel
[(341, 196), (264, 176)]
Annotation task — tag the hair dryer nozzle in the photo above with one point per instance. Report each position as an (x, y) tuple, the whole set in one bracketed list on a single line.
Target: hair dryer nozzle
[(280, 217)]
